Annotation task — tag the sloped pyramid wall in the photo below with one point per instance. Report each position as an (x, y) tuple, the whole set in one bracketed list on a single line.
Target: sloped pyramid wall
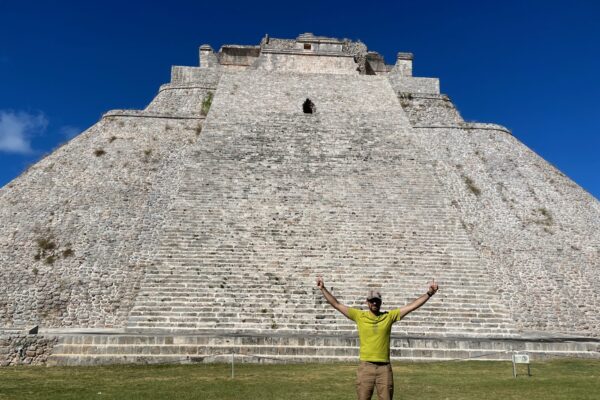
[(73, 226), (536, 230)]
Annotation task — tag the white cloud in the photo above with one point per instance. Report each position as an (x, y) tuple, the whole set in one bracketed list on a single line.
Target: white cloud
[(17, 129), (70, 131)]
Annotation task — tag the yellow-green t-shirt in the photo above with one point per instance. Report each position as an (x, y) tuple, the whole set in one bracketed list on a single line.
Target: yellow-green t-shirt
[(374, 333)]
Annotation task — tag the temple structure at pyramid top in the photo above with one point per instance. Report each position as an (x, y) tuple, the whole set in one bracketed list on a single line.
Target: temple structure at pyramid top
[(307, 53)]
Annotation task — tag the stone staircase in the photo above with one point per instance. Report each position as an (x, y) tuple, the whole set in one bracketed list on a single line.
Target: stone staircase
[(273, 198)]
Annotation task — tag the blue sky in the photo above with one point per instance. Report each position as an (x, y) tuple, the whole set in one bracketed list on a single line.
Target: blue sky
[(532, 66)]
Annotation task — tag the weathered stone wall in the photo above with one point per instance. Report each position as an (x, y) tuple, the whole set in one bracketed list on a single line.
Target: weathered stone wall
[(300, 63), (278, 44), (180, 101), (25, 349), (403, 66), (202, 77), (187, 92), (429, 110), (307, 63), (409, 84), (536, 230), (234, 55), (76, 226), (70, 224)]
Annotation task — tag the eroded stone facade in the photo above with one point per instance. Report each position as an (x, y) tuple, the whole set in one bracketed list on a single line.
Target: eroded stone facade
[(20, 349)]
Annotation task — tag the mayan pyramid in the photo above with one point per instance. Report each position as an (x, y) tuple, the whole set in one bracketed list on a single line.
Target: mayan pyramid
[(195, 228)]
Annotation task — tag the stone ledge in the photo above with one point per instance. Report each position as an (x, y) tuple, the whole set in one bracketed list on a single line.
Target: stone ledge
[(84, 331), (468, 126), (528, 336), (172, 86), (146, 114), (308, 53)]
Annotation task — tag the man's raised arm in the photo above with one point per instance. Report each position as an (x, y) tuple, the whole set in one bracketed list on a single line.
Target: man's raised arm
[(433, 288), (330, 299)]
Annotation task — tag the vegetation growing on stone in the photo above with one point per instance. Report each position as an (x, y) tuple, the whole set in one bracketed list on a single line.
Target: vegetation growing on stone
[(48, 250), (206, 103), (546, 217), (50, 260), (147, 154), (405, 99), (471, 185), (46, 244), (99, 152), (67, 253)]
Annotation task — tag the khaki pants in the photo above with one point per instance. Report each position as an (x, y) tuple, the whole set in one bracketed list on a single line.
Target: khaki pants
[(374, 375)]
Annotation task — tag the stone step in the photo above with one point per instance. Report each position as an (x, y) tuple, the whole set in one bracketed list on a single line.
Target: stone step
[(266, 283), (457, 274), (200, 274), (306, 313), (308, 328), (355, 258), (281, 294), (297, 328), (259, 286), (258, 279), (324, 323), (248, 317), (305, 316), (105, 349), (221, 308), (259, 304), (300, 312), (310, 316), (195, 316)]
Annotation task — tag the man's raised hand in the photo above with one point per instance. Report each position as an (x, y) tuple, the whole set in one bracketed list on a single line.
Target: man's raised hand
[(320, 283), (433, 288)]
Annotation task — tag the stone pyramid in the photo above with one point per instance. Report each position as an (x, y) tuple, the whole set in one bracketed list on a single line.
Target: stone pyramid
[(196, 227)]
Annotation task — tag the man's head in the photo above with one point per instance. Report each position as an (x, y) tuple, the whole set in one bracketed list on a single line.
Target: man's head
[(374, 301)]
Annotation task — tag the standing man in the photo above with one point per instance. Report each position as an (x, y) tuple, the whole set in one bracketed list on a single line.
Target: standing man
[(374, 328)]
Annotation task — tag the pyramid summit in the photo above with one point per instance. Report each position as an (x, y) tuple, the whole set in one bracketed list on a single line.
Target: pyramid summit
[(196, 227)]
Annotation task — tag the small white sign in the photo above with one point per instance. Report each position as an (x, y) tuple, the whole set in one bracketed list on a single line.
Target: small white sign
[(521, 358)]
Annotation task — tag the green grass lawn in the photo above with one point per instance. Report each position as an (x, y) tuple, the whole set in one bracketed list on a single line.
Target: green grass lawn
[(559, 379)]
